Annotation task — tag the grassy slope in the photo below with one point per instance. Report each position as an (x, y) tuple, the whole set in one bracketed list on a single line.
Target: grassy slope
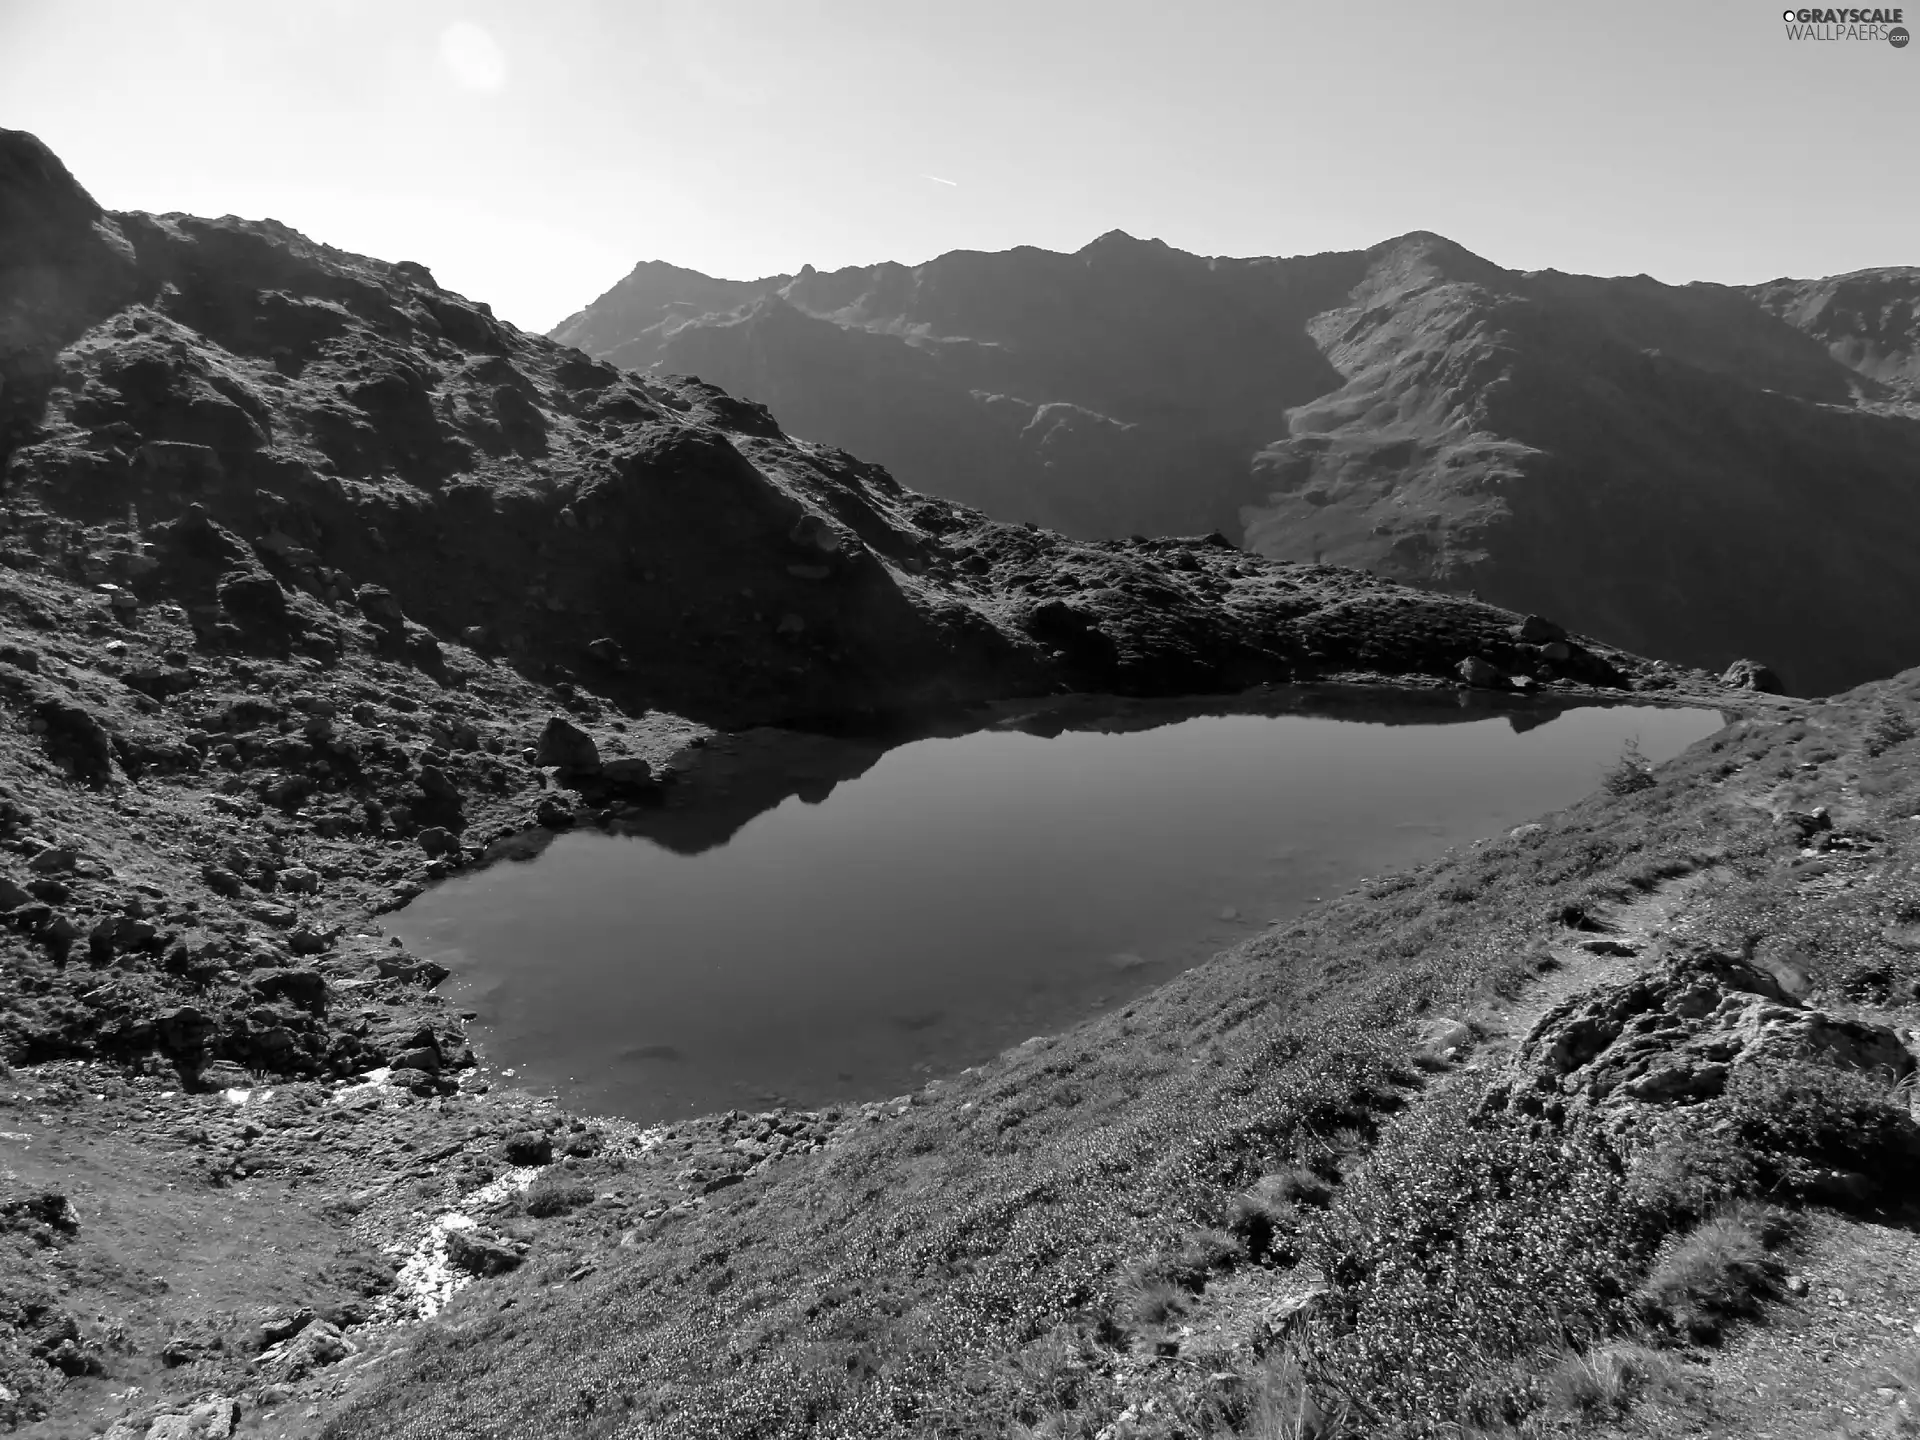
[(961, 1268)]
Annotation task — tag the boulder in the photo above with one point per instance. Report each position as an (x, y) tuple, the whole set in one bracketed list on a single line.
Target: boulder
[(553, 813), (1476, 671), (299, 880), (411, 969), (54, 860), (480, 1251), (220, 1075), (1538, 630), (567, 747), (376, 602), (305, 988), (311, 939), (438, 840), (318, 1344), (184, 1029), (1752, 675), (212, 1419), (1445, 1034), (434, 781), (627, 770)]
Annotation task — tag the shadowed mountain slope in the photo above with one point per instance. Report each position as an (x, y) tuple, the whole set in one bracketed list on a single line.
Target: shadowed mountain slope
[(1696, 470), (292, 442)]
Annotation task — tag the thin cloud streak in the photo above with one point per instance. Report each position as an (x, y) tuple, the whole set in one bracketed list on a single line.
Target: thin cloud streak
[(937, 180)]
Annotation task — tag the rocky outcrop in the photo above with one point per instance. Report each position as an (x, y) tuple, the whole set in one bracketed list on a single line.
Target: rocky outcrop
[(1620, 453), (1676, 1034)]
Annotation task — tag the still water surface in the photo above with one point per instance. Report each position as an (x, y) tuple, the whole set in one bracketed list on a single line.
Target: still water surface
[(966, 893)]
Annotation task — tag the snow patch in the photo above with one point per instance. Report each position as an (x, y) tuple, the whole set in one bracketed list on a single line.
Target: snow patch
[(427, 1278)]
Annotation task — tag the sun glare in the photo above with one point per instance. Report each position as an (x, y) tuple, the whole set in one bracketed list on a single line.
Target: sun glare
[(473, 56)]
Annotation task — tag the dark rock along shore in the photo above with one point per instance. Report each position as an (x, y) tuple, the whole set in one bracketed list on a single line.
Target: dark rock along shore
[(321, 582)]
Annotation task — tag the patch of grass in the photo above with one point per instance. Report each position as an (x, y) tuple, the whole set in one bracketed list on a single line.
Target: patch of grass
[(1279, 1402), (555, 1192), (1606, 1383), (1718, 1273), (1144, 1300)]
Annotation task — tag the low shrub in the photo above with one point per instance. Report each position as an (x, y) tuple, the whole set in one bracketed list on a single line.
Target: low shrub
[(1630, 773), (1471, 1239)]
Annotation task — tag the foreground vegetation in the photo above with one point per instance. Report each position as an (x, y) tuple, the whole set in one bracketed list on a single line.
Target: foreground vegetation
[(1267, 1200)]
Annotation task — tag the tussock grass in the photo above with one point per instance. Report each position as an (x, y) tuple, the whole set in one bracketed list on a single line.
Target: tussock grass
[(555, 1192), (1281, 1404), (1719, 1272), (1607, 1382)]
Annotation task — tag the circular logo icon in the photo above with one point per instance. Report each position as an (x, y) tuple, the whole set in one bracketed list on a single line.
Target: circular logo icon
[(1787, 15), (1897, 37)]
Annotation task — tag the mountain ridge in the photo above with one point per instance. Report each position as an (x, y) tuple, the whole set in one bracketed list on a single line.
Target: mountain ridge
[(1411, 408)]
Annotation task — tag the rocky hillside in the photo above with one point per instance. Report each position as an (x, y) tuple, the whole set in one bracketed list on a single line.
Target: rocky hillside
[(1625, 453)]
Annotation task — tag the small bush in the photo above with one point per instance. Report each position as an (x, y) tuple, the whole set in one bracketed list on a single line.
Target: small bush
[(553, 1193), (1630, 773), (1888, 727), (1717, 1273)]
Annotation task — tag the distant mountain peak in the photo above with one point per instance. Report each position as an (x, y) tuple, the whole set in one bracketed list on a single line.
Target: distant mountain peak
[(1121, 240)]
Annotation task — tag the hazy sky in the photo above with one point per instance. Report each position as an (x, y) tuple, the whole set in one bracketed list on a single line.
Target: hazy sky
[(530, 153)]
